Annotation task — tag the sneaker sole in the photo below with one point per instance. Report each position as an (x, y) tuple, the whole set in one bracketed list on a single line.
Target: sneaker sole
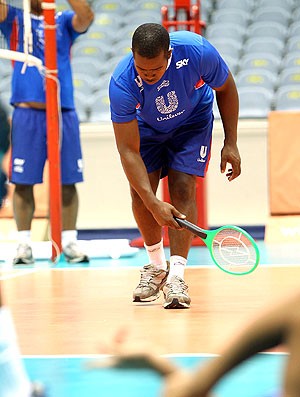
[(176, 304), (149, 299), (80, 260), (23, 262)]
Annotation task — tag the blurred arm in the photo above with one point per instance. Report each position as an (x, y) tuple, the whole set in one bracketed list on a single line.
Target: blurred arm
[(84, 15), (3, 10)]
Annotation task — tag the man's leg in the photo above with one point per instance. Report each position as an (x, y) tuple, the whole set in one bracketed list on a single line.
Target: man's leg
[(70, 204), (182, 189), (153, 275), (23, 206), (150, 230)]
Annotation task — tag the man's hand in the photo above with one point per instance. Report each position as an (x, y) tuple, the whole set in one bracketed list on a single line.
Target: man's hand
[(164, 214), (230, 155)]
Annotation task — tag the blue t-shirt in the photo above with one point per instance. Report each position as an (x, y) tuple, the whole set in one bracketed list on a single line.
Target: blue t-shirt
[(30, 86), (183, 95)]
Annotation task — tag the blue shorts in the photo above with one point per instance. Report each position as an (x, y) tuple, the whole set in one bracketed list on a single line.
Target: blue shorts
[(29, 147), (186, 149)]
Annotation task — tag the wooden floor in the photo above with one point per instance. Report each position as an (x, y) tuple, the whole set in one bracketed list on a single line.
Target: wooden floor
[(70, 311)]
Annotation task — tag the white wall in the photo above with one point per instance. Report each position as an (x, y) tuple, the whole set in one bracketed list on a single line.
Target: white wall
[(105, 199)]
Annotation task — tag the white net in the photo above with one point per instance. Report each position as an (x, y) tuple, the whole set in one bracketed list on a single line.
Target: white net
[(10, 47)]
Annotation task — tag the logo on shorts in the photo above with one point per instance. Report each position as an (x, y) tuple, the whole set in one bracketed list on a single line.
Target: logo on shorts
[(19, 165), (79, 165), (203, 154)]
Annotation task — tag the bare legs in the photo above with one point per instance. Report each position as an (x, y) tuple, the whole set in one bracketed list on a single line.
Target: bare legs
[(24, 206), (182, 189)]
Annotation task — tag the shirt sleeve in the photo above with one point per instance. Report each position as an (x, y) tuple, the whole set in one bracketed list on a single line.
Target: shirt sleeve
[(7, 25), (67, 18), (123, 104), (214, 69)]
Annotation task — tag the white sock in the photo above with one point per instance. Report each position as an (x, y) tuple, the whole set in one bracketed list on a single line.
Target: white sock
[(177, 266), (156, 255), (24, 237), (14, 380), (68, 236)]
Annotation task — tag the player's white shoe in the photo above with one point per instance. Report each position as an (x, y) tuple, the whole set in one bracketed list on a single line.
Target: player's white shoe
[(24, 255), (151, 282), (73, 254), (176, 294)]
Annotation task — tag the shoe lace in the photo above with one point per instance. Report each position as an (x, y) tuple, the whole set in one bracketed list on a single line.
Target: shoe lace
[(74, 249), (177, 285), (147, 275), (23, 250)]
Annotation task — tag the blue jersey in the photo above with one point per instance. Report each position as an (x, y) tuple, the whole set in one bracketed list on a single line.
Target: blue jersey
[(182, 96), (30, 86)]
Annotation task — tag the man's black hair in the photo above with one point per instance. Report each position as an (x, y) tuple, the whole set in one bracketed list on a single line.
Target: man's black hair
[(150, 39)]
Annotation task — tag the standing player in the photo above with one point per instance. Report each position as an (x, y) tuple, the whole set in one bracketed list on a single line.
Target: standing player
[(29, 149), (161, 106)]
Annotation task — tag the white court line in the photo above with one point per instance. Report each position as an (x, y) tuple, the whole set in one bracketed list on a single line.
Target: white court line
[(18, 273), (170, 355)]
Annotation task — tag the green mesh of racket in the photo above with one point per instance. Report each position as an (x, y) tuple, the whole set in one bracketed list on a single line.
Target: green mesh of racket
[(232, 249)]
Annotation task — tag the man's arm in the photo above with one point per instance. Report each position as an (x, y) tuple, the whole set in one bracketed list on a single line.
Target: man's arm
[(3, 10), (84, 15), (269, 328), (128, 144), (228, 104)]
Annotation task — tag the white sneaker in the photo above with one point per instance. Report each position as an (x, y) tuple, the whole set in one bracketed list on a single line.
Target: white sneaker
[(24, 255), (73, 254), (151, 282), (176, 294)]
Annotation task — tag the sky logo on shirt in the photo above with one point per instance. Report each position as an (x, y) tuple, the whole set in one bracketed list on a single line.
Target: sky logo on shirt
[(181, 63)]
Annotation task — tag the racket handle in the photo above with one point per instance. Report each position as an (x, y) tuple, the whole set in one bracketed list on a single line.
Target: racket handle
[(191, 227)]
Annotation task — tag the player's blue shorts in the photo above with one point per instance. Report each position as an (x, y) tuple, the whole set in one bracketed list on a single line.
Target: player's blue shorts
[(186, 149), (29, 147)]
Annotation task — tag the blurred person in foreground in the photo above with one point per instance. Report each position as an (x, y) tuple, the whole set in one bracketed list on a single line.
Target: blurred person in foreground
[(272, 326), (14, 381)]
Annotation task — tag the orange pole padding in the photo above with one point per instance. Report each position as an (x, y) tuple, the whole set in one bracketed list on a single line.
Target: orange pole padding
[(53, 127)]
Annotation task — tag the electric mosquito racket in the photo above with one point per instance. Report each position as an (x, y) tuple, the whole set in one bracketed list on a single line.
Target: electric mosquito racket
[(232, 249)]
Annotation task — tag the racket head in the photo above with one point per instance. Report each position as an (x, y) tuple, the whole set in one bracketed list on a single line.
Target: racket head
[(233, 250)]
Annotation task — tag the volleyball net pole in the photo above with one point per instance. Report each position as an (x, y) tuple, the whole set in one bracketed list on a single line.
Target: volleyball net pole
[(53, 127)]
